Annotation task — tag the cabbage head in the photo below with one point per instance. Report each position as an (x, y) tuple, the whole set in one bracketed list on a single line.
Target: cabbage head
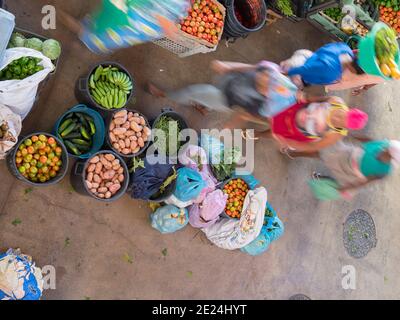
[(51, 49), (34, 43), (17, 40)]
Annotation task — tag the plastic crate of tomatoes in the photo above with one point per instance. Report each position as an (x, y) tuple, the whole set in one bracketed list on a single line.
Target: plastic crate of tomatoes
[(204, 23)]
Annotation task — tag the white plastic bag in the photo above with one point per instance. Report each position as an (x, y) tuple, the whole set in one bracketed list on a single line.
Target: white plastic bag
[(172, 200), (14, 123), (20, 95), (234, 234)]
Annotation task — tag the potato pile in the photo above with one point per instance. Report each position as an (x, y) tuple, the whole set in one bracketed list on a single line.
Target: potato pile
[(128, 132), (104, 175)]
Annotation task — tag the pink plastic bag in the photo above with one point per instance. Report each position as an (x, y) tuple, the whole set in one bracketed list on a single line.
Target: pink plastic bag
[(195, 157), (205, 215), (211, 186)]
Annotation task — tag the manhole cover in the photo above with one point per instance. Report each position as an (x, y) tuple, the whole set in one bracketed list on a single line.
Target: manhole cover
[(359, 234), (299, 297)]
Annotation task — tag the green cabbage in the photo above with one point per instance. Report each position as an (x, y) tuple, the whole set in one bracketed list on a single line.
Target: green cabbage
[(17, 40), (51, 49), (34, 43)]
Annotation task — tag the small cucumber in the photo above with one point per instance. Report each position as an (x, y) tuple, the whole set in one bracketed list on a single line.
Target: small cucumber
[(73, 135), (72, 147), (92, 127), (68, 130), (64, 125), (81, 142), (84, 133)]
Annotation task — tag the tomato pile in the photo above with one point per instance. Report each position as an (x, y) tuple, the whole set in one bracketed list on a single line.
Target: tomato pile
[(38, 158), (237, 190), (391, 17), (205, 21)]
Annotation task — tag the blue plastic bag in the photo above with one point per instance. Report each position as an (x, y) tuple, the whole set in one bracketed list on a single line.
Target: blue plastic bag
[(169, 219), (272, 230), (213, 148), (258, 246), (189, 184), (20, 279), (276, 230)]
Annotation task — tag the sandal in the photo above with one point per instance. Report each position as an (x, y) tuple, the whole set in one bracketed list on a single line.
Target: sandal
[(285, 151), (247, 136)]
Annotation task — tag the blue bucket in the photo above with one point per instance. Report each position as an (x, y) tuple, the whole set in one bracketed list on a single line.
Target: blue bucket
[(98, 138)]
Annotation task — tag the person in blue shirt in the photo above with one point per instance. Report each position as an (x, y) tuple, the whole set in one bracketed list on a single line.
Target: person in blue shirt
[(334, 66)]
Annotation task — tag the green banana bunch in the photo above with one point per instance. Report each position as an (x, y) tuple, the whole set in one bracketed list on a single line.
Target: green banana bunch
[(110, 87)]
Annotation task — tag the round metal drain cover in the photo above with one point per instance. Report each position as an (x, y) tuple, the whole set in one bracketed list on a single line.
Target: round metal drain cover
[(359, 234), (299, 297)]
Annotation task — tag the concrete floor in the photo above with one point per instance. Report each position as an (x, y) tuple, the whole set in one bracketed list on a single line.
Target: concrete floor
[(308, 259)]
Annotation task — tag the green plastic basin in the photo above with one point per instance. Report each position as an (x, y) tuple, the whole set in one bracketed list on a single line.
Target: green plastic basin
[(366, 54)]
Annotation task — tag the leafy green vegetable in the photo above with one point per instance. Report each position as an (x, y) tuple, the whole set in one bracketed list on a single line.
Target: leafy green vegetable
[(228, 161), (171, 129), (34, 43), (21, 68), (168, 181), (136, 164), (17, 40), (285, 7), (51, 49)]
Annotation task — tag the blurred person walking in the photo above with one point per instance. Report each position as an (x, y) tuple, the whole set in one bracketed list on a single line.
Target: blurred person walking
[(124, 23), (315, 124), (250, 93), (353, 166)]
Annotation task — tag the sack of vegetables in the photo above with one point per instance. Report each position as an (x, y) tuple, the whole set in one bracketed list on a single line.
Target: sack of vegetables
[(21, 71), (379, 52), (39, 159)]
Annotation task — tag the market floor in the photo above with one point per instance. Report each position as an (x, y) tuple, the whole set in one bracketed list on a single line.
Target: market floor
[(110, 251)]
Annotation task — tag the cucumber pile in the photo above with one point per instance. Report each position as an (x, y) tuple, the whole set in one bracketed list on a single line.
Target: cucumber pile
[(77, 131), (110, 87)]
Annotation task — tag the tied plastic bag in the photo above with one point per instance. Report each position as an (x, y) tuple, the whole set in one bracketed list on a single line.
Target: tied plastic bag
[(275, 230), (272, 230), (325, 189), (172, 200), (20, 95), (296, 60), (193, 157), (258, 246), (20, 279), (206, 214), (169, 219), (234, 234), (212, 147), (10, 128), (210, 186), (189, 184)]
